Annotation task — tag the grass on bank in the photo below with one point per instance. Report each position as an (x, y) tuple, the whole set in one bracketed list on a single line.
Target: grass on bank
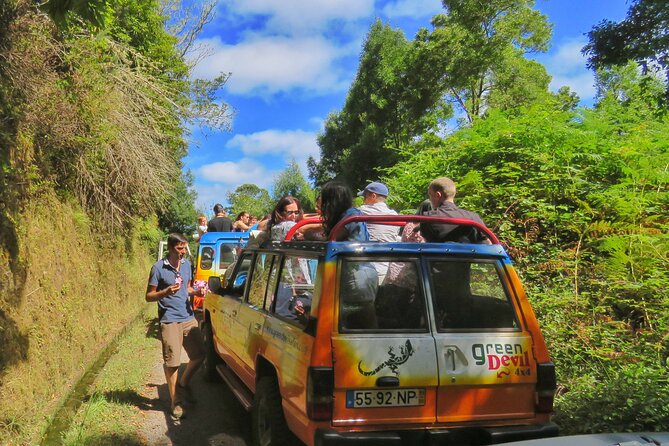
[(111, 413)]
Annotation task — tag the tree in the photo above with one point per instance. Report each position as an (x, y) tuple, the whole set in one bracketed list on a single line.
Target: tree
[(290, 181), (476, 53), (179, 214), (389, 103), (641, 37), (250, 198)]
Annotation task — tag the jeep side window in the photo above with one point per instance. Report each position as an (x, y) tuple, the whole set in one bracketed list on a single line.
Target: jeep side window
[(206, 257), (259, 279), (469, 295), (296, 287), (398, 303), (238, 281), (227, 255), (271, 283)]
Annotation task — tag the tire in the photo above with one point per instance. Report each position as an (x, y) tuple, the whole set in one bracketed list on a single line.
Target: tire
[(211, 358), (268, 424)]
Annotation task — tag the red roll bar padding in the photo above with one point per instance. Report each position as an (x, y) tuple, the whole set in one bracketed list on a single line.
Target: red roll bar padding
[(299, 224), (399, 220)]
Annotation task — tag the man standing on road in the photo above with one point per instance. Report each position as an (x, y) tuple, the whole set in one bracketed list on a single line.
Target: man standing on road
[(170, 284), (220, 222), (442, 194)]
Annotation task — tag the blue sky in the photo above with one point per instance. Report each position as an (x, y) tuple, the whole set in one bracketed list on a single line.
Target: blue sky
[(292, 62)]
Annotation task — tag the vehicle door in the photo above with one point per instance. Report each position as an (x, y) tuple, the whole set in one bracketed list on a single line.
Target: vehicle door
[(247, 324), (224, 308), (292, 306), (384, 353), (486, 366)]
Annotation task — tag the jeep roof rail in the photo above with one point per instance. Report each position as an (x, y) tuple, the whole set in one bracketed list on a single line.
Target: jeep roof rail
[(401, 220), (299, 224), (393, 220)]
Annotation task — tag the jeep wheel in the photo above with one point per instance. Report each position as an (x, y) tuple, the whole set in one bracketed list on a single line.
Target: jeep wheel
[(211, 358), (268, 423)]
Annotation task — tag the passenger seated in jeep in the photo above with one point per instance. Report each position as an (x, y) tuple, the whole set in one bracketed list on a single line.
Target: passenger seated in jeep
[(442, 194), (293, 299), (360, 281)]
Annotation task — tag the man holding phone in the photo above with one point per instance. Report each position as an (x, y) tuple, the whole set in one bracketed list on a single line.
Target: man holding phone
[(171, 286)]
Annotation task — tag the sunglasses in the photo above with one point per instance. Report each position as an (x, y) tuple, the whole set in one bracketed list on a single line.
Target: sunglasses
[(291, 212)]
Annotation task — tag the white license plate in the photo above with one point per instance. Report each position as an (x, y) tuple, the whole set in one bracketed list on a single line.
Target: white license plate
[(385, 398)]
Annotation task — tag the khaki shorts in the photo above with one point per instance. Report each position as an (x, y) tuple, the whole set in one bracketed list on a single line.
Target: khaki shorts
[(175, 334)]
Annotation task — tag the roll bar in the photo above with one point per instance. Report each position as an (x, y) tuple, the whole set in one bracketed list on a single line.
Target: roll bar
[(394, 220), (299, 224)]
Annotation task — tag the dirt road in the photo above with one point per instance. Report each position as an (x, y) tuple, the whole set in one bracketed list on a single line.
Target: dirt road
[(217, 419)]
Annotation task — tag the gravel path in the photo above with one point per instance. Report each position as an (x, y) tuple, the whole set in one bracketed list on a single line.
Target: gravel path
[(216, 420)]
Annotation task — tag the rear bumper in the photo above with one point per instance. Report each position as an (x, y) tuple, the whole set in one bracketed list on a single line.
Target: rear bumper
[(436, 437)]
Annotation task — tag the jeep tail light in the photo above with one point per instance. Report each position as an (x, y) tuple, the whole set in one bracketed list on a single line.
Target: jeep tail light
[(546, 385), (320, 385)]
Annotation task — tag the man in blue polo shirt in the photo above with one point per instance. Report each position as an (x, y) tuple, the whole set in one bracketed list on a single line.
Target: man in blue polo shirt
[(171, 285)]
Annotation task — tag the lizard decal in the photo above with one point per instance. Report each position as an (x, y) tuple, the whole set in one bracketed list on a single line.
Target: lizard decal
[(393, 361)]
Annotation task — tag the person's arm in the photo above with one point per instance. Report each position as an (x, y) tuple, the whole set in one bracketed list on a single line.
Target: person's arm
[(153, 295), (240, 224)]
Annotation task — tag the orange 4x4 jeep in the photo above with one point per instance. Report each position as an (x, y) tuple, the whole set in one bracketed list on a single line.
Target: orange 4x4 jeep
[(380, 343)]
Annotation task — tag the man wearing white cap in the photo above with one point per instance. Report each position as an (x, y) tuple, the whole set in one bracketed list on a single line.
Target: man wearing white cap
[(374, 203)]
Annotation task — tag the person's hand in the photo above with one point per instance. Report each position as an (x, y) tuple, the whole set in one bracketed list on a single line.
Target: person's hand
[(299, 308), (172, 289)]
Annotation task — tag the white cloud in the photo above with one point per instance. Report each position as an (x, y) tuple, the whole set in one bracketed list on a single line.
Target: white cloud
[(300, 16), (568, 56), (296, 144), (268, 65), (413, 8), (232, 173), (568, 67), (583, 84)]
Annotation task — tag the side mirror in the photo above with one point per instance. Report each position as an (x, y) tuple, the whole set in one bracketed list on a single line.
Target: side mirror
[(215, 285)]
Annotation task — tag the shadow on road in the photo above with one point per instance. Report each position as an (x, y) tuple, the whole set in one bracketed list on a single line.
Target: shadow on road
[(134, 398), (216, 419), (153, 329)]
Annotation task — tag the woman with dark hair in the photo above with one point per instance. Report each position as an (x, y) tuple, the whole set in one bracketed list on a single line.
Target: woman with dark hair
[(241, 223), (336, 204), (284, 216), (359, 279)]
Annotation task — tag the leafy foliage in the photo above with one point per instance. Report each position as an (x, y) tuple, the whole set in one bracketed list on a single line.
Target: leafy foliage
[(290, 181), (476, 50), (103, 95), (390, 102), (249, 198), (581, 199), (641, 37)]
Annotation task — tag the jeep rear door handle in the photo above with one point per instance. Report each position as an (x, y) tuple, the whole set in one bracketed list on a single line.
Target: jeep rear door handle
[(257, 326), (388, 381)]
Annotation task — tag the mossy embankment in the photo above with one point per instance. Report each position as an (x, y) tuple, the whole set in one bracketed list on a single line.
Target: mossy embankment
[(64, 294)]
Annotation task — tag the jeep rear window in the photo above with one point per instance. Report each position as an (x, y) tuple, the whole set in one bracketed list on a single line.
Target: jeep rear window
[(381, 296), (469, 295)]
